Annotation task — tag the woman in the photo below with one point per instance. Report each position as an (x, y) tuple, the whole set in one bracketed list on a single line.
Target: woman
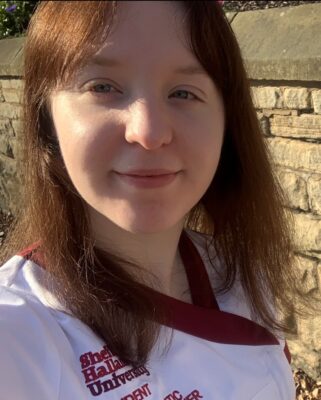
[(157, 259)]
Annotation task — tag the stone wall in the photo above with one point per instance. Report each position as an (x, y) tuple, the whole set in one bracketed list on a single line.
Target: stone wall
[(283, 57), (283, 61), (10, 130), (290, 118), (10, 119)]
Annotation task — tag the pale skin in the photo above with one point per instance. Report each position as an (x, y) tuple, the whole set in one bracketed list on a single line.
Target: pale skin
[(152, 107)]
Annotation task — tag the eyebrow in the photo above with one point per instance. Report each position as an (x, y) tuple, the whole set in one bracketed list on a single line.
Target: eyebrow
[(193, 69)]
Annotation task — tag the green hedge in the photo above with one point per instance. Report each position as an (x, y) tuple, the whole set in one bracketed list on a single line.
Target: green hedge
[(15, 16)]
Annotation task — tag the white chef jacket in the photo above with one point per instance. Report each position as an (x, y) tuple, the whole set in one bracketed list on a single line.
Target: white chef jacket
[(217, 349)]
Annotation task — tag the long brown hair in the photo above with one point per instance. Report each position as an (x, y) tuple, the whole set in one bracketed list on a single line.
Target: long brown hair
[(241, 210)]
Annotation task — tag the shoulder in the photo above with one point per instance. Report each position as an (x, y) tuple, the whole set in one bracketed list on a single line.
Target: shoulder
[(29, 364), (234, 300)]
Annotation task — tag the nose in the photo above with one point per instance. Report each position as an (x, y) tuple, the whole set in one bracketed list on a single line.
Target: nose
[(148, 125)]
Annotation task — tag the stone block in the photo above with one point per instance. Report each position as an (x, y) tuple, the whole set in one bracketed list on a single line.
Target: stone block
[(253, 90), (295, 189), (268, 113), (13, 111), (12, 95), (6, 127), (308, 121), (10, 186), (17, 127), (308, 274), (8, 166), (11, 57), (309, 331), (280, 43), (307, 232), (3, 144), (10, 194), (12, 84), (5, 147), (296, 98), (303, 126), (295, 154), (305, 357), (14, 147), (264, 124), (314, 193), (267, 97), (316, 100), (319, 275)]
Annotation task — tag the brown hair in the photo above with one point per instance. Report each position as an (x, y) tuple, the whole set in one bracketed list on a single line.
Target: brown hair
[(252, 232)]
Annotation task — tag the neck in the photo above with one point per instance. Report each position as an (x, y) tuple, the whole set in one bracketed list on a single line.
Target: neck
[(157, 253)]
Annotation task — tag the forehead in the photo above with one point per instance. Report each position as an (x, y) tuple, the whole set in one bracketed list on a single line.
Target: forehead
[(147, 31), (139, 16)]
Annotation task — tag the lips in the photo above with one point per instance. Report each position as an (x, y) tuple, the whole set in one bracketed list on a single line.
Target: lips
[(147, 172), (147, 179)]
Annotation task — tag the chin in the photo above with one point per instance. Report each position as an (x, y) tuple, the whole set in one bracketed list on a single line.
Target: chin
[(140, 220), (149, 223)]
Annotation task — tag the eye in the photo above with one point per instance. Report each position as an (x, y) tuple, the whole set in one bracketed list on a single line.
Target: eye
[(102, 88), (184, 95)]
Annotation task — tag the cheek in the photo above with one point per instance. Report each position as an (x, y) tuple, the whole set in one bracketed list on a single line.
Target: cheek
[(202, 141), (86, 142), (203, 149)]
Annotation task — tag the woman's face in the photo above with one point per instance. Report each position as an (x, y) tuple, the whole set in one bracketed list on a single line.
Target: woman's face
[(141, 127)]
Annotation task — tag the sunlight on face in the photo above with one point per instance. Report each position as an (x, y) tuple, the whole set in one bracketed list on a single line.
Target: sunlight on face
[(141, 128)]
